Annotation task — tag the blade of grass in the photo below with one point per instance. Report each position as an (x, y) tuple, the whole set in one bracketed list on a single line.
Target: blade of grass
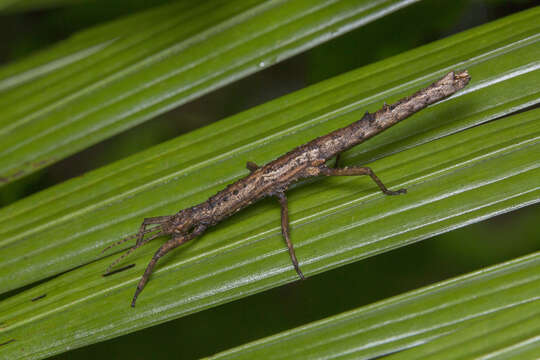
[(111, 78), (66, 226), (491, 313), (451, 183)]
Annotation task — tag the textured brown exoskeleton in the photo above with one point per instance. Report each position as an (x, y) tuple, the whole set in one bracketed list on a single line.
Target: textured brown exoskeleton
[(274, 178)]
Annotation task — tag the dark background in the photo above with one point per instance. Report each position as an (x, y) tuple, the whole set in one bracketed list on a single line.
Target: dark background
[(451, 254)]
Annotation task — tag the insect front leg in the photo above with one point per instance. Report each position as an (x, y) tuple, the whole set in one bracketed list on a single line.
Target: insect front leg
[(150, 221), (165, 248), (139, 235), (132, 249), (356, 170), (285, 231)]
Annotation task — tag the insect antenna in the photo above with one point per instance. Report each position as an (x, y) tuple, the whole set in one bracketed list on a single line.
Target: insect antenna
[(135, 247), (127, 238)]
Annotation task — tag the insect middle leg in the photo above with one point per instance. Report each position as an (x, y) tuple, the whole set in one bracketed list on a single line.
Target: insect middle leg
[(285, 231), (338, 158), (356, 170)]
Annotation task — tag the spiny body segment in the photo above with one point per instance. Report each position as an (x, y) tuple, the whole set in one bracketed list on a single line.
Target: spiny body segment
[(274, 178)]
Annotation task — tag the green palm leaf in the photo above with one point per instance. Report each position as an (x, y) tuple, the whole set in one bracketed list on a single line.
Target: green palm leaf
[(22, 5), (458, 166), (111, 78), (492, 313)]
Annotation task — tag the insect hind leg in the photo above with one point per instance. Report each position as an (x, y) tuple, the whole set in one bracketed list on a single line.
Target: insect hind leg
[(357, 170)]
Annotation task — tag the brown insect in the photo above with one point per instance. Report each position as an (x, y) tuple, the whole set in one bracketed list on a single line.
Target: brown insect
[(274, 178)]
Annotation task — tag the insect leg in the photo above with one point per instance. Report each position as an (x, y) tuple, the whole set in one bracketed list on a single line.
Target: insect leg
[(251, 166), (336, 163), (165, 248), (150, 221), (142, 231), (285, 231), (133, 248), (356, 170)]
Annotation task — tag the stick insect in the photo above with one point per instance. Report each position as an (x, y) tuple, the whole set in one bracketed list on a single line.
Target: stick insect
[(274, 178)]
